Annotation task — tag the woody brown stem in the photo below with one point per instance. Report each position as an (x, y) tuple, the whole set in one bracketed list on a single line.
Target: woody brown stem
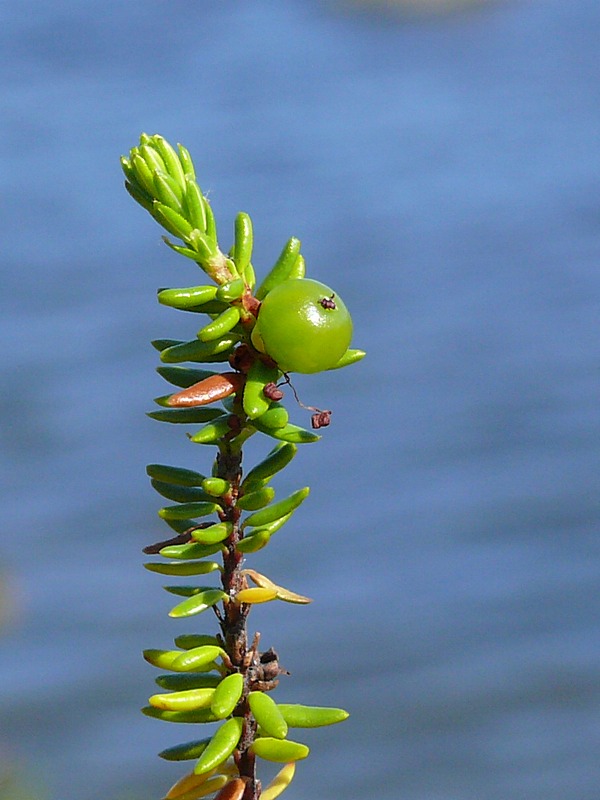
[(233, 621)]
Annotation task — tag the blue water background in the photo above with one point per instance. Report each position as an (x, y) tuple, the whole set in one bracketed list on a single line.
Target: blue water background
[(444, 176)]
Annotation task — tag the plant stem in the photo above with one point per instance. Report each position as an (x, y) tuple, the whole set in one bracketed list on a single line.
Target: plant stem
[(233, 621)]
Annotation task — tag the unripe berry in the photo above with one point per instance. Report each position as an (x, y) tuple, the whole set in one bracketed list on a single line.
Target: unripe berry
[(303, 326)]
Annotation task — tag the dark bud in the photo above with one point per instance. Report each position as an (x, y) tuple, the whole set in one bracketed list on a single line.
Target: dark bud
[(321, 419), (269, 664), (264, 673), (268, 656), (242, 358), (272, 391)]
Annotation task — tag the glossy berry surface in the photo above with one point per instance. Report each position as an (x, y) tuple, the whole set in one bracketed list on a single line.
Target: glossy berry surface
[(303, 326)]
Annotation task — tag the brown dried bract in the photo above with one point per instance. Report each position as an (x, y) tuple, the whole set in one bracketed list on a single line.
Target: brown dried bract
[(320, 419), (154, 549), (251, 303), (182, 538), (272, 392), (211, 389)]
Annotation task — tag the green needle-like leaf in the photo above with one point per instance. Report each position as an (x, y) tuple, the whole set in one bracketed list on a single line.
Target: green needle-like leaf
[(198, 603)]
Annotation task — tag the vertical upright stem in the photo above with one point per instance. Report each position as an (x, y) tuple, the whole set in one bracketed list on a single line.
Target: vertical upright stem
[(233, 622)]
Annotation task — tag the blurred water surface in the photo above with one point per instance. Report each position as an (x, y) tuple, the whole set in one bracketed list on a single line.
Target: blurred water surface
[(443, 174)]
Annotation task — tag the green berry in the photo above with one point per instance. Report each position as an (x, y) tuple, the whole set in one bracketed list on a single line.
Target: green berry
[(303, 326)]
